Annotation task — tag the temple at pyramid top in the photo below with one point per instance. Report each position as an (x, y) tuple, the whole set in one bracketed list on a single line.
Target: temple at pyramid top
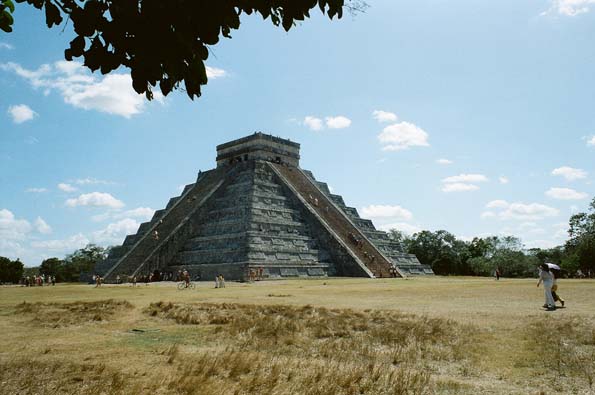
[(259, 146), (259, 212)]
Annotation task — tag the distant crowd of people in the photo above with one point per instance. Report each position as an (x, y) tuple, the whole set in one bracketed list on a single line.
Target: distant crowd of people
[(256, 274), (38, 280), (146, 278)]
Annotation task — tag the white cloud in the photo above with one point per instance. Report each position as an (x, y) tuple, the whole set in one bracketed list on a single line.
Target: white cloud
[(488, 214), (338, 122), (21, 113), (12, 228), (519, 211), (313, 123), (42, 227), (11, 249), (443, 161), (569, 173), (116, 232), (401, 136), (474, 178), (565, 194), (387, 217), (142, 213), (95, 199), (214, 72), (316, 124), (5, 46), (384, 116), (503, 180), (112, 94), (497, 204), (462, 182), (532, 211), (379, 211), (459, 187), (66, 187), (591, 141), (402, 226), (570, 7), (65, 246), (36, 190)]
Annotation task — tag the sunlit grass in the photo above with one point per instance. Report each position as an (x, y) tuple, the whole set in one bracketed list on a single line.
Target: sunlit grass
[(345, 336)]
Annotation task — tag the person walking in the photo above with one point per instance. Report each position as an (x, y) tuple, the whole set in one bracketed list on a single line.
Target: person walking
[(547, 278), (556, 272)]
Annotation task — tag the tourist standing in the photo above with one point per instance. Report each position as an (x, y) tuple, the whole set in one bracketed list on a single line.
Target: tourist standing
[(186, 278), (547, 278)]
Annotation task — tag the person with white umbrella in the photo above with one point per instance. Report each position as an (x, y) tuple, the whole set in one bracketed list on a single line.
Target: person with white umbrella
[(546, 276), (555, 269)]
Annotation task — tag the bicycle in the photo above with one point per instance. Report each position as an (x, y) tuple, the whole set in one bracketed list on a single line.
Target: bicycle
[(183, 285)]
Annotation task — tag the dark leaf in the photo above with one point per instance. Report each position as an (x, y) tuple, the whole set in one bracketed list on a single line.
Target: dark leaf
[(77, 46), (52, 14), (9, 4)]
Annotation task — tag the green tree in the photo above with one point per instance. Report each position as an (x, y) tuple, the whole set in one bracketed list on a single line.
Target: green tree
[(82, 261), (400, 238), (581, 243), (52, 267), (31, 271), (10, 271), (163, 43), (503, 253), (441, 250)]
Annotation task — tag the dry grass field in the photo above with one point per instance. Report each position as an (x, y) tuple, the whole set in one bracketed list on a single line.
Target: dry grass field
[(337, 336)]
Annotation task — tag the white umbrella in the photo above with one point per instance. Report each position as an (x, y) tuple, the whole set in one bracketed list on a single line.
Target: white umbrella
[(553, 266)]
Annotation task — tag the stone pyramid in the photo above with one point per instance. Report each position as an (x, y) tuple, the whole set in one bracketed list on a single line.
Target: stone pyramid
[(258, 211)]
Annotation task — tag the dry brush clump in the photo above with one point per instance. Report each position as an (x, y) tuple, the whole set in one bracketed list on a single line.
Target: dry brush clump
[(565, 349), (65, 314), (239, 372), (288, 349), (25, 376), (274, 324)]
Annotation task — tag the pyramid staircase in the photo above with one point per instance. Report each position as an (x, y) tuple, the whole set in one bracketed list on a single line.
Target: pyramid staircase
[(365, 252)]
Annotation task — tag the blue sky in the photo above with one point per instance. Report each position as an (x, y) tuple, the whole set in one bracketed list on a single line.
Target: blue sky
[(474, 117)]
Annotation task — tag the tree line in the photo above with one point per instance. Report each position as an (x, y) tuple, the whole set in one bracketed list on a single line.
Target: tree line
[(68, 269), (446, 254), (481, 256)]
